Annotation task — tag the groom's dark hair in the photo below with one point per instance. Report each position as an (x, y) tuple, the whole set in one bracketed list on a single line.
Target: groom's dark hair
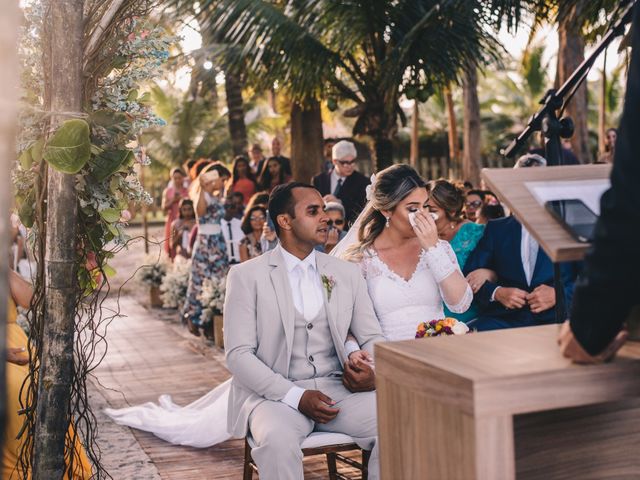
[(281, 201)]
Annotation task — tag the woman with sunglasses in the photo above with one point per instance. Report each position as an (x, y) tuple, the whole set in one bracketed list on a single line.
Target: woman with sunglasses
[(472, 203), (252, 225), (336, 224)]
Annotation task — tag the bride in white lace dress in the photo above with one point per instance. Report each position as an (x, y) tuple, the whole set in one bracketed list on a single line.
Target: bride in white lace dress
[(409, 273)]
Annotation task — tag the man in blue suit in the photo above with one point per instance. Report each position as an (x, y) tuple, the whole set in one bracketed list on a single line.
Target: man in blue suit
[(523, 294)]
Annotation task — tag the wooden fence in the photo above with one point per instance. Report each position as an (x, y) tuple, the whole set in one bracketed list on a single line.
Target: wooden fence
[(432, 168)]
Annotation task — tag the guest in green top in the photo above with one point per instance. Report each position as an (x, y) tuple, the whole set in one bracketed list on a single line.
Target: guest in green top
[(447, 201)]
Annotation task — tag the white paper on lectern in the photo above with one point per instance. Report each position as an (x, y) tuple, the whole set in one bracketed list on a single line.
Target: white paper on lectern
[(589, 191)]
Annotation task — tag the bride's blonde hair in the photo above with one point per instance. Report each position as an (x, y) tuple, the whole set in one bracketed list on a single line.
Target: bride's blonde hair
[(392, 185)]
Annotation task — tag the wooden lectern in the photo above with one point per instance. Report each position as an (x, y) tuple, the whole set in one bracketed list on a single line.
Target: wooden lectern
[(505, 404)]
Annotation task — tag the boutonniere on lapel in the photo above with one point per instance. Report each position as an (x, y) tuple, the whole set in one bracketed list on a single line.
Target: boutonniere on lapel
[(328, 282)]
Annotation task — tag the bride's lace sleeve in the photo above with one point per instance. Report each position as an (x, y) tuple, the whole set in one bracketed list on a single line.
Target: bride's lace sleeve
[(442, 262)]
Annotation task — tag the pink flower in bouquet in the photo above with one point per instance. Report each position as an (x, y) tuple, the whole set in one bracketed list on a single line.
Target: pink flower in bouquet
[(125, 216)]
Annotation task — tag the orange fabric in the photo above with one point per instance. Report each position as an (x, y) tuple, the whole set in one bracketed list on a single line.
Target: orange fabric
[(16, 374)]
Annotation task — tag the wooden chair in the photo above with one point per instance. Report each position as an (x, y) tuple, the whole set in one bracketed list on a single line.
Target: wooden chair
[(318, 443)]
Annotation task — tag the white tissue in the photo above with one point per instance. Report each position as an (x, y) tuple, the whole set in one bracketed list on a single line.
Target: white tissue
[(412, 217)]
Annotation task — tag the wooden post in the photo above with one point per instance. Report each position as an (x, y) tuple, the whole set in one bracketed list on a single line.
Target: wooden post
[(307, 142), (63, 48), (454, 150), (415, 133), (602, 110), (471, 159), (237, 127), (9, 70)]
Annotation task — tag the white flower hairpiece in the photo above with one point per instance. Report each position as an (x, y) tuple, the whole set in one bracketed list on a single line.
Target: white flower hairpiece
[(369, 189)]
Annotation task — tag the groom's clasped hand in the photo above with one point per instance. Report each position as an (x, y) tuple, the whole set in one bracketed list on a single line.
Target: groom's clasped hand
[(358, 376), (318, 406)]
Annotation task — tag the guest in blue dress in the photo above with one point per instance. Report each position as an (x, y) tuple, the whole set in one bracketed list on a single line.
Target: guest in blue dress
[(209, 259), (447, 202)]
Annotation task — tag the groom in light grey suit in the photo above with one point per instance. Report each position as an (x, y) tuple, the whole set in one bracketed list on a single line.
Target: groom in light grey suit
[(287, 314)]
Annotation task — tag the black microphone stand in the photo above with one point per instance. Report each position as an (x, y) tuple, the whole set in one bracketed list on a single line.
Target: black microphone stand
[(553, 128)]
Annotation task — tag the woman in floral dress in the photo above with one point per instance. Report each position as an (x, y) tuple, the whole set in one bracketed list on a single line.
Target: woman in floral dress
[(209, 259)]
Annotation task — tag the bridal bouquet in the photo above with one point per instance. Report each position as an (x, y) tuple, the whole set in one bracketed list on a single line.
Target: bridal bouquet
[(212, 296), (446, 326)]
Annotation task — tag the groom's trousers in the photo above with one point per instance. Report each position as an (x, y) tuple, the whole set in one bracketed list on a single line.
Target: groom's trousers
[(278, 430)]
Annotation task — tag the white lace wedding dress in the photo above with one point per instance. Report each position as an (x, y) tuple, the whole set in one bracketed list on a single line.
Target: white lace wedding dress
[(399, 304)]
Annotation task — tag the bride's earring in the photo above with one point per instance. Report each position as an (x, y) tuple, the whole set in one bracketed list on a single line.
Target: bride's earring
[(452, 225), (387, 222)]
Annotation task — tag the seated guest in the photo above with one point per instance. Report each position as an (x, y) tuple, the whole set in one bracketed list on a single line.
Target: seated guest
[(259, 198), (252, 225), (568, 157), (446, 201), (344, 181), (232, 229), (609, 146), (489, 212), (242, 180), (276, 152), (257, 159), (336, 224), (523, 294), (272, 175), (238, 200), (181, 228), (472, 203)]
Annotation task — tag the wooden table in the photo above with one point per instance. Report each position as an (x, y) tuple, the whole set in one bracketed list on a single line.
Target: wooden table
[(505, 404)]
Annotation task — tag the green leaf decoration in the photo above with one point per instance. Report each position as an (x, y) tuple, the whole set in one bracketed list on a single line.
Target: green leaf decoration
[(110, 215), (133, 95), (145, 98), (109, 271), (70, 147), (108, 163), (26, 211), (31, 155), (111, 121)]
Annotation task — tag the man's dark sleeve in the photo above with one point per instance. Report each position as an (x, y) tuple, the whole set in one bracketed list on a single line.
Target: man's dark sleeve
[(483, 257), (609, 286)]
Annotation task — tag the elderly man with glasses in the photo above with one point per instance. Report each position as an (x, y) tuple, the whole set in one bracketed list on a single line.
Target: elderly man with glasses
[(344, 182)]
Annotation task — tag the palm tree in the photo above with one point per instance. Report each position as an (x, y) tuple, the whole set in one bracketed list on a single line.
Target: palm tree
[(365, 53)]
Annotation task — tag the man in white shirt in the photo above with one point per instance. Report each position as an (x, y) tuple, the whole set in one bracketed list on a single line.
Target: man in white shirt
[(232, 229), (287, 315)]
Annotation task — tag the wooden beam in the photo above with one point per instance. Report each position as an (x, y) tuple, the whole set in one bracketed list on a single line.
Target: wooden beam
[(9, 70)]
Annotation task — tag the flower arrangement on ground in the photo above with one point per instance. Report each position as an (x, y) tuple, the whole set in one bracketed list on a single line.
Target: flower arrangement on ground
[(174, 284), (212, 297), (445, 326), (153, 272)]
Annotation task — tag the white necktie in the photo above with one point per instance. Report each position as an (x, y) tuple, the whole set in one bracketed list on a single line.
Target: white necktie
[(308, 292)]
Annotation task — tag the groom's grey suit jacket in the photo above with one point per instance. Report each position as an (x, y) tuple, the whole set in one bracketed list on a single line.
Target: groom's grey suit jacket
[(259, 327)]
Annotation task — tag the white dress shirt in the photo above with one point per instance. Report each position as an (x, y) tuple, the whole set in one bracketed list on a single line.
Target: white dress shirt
[(302, 291), (334, 180), (529, 254), (232, 238)]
